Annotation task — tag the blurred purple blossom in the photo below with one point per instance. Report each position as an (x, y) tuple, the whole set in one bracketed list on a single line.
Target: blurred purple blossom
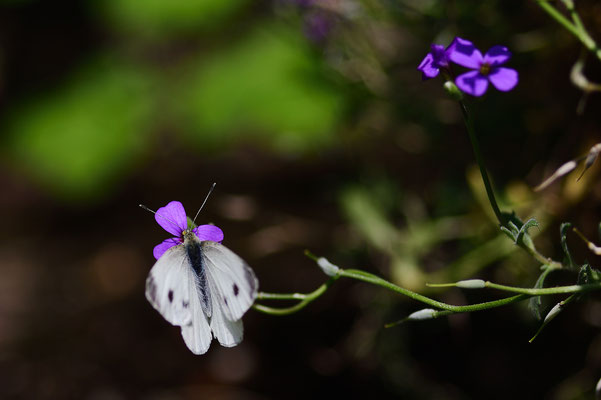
[(172, 218), (485, 68), (436, 59), (317, 26)]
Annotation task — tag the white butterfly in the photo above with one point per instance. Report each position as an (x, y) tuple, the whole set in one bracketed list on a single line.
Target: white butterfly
[(198, 283)]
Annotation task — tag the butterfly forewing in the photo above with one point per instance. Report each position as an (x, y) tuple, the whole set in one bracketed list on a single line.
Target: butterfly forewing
[(167, 286), (230, 279)]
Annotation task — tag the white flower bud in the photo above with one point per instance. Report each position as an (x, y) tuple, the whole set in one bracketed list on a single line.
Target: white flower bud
[(553, 313), (327, 267), (426, 313), (471, 284)]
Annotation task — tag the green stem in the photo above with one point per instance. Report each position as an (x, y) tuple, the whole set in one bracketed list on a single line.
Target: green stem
[(469, 123), (575, 27), (376, 280), (305, 299), (557, 16), (540, 257), (523, 293), (546, 291)]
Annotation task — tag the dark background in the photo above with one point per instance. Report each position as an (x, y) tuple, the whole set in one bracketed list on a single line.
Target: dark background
[(316, 126)]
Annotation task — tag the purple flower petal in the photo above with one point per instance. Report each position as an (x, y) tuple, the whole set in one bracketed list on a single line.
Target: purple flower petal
[(209, 232), (427, 67), (451, 47), (466, 54), (504, 79), (472, 83), (165, 245), (172, 218), (497, 55), (440, 56)]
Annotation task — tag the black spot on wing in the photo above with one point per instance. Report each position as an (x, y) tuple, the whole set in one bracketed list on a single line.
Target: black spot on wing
[(185, 304), (170, 296), (236, 290), (225, 300)]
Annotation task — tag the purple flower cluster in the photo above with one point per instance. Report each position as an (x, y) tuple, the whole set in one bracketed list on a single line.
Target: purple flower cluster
[(484, 68), (172, 218)]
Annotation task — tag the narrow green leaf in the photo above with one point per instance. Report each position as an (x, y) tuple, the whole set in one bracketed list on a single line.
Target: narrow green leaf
[(509, 234), (523, 233), (564, 245), (514, 228)]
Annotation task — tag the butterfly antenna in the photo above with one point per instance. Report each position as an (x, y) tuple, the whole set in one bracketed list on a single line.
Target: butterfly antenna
[(142, 206), (205, 200)]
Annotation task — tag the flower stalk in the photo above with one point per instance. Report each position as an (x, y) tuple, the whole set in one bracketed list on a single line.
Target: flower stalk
[(440, 308), (469, 124), (575, 26)]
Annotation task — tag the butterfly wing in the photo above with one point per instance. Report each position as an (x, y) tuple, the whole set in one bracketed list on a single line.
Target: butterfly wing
[(172, 289), (197, 333), (228, 333), (167, 286), (232, 282)]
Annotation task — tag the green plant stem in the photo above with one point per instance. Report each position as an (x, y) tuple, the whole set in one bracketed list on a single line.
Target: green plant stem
[(469, 123), (376, 280), (539, 257), (557, 16), (523, 293), (575, 27), (545, 291), (305, 299)]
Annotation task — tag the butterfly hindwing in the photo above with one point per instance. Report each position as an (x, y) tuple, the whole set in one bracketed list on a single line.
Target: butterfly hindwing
[(232, 282), (167, 287), (197, 333), (229, 333)]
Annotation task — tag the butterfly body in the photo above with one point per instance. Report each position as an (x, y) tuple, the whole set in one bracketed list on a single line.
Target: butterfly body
[(193, 249), (200, 285)]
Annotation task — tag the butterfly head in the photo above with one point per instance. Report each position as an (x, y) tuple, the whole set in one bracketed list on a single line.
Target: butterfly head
[(189, 235), (173, 219)]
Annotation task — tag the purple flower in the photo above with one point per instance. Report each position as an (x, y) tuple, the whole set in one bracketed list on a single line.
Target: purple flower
[(172, 218), (435, 60), (317, 26), (485, 68)]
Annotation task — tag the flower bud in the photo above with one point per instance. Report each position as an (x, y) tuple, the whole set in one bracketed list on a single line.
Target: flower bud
[(327, 267), (426, 313), (553, 313), (453, 90), (471, 284)]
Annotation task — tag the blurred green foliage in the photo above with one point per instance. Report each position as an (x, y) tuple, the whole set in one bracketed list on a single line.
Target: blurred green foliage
[(82, 136), (158, 17), (267, 87)]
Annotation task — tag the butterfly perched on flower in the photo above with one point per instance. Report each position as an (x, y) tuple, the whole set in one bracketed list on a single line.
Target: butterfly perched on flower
[(199, 284)]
